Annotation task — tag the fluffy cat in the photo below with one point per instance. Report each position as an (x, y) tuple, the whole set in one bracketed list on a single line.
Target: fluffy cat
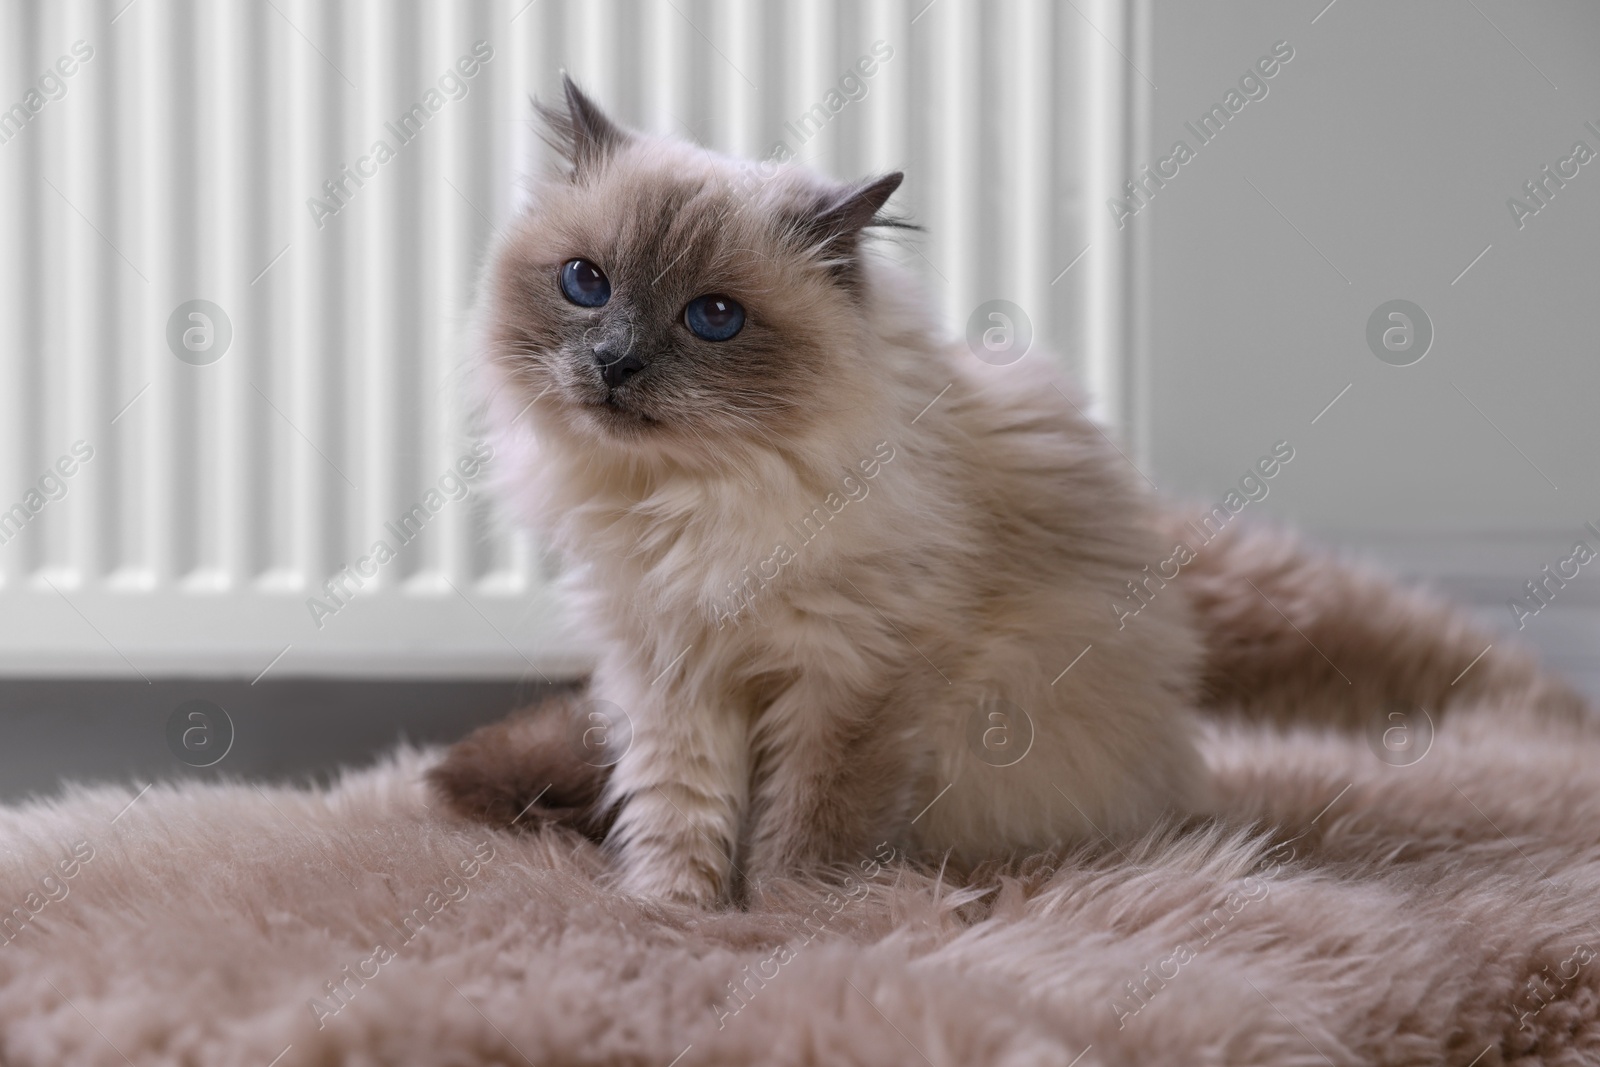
[(849, 583)]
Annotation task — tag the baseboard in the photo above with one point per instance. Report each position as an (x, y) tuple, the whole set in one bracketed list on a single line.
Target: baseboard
[(1487, 570)]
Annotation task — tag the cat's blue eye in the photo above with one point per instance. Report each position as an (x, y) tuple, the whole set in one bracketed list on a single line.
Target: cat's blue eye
[(585, 284), (715, 318)]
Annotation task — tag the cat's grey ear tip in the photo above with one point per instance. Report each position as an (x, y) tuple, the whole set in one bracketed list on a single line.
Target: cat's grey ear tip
[(880, 190), (578, 101), (882, 187)]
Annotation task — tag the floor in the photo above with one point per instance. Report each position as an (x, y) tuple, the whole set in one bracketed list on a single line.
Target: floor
[(274, 731)]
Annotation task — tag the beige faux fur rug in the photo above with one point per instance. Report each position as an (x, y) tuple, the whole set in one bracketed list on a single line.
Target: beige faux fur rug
[(1443, 912)]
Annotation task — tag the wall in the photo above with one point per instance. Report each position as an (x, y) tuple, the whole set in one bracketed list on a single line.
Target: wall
[(1378, 167)]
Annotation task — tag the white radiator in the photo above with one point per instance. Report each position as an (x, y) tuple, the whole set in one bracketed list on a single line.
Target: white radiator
[(228, 322)]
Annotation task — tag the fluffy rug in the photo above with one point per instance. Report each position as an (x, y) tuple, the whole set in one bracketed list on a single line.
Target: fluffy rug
[(1440, 912)]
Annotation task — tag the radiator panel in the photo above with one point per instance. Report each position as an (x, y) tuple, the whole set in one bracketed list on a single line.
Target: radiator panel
[(184, 161)]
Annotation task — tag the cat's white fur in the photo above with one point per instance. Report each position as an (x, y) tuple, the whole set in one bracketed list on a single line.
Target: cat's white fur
[(982, 561)]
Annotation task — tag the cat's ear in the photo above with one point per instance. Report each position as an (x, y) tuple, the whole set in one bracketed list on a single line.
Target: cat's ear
[(831, 224), (859, 206), (581, 133)]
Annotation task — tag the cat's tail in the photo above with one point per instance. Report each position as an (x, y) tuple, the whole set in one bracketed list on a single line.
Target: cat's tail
[(1296, 635), (524, 771)]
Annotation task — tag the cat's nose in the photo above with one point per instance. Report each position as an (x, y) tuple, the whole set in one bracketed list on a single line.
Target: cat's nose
[(617, 362)]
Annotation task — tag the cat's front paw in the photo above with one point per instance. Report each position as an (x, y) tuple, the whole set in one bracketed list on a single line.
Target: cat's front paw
[(683, 881)]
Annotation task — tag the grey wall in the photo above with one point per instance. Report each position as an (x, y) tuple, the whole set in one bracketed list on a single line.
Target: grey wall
[(1387, 147)]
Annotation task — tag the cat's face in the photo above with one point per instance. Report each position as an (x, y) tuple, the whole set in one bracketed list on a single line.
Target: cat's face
[(655, 293)]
